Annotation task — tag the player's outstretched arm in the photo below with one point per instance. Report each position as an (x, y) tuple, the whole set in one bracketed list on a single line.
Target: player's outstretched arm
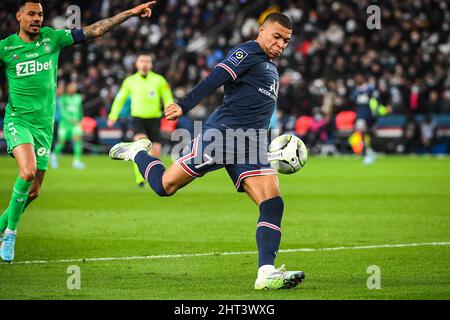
[(215, 79), (103, 26)]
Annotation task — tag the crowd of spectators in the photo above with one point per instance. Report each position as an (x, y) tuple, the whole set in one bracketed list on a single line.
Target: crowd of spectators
[(407, 59)]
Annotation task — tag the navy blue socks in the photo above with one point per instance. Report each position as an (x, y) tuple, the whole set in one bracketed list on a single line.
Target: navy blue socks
[(268, 230), (152, 169)]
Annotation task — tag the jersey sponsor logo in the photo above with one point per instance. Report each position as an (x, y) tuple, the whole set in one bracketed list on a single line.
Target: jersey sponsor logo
[(29, 68), (46, 40), (274, 87), (32, 55), (38, 44), (10, 48), (237, 57), (273, 90), (41, 152)]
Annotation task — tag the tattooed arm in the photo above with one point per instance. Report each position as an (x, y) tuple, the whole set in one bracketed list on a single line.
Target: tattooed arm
[(101, 27)]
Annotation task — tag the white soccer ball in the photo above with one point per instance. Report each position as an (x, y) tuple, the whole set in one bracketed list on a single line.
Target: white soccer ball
[(287, 154)]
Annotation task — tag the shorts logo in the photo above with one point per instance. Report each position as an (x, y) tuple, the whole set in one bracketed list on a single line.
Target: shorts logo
[(237, 57), (13, 131), (42, 152)]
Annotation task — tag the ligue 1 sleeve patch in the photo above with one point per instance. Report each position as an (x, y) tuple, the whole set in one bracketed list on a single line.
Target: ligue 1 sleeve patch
[(237, 57)]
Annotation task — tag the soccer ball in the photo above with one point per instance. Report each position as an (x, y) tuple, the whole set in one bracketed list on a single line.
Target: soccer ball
[(287, 154)]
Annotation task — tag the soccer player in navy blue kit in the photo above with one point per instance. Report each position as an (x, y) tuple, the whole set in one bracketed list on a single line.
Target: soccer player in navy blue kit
[(251, 84)]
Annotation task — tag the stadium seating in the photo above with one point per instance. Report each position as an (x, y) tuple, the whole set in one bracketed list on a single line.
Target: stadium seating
[(330, 45)]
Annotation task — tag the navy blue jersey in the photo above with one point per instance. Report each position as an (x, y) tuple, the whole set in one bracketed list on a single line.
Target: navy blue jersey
[(252, 91), (361, 96), (251, 84)]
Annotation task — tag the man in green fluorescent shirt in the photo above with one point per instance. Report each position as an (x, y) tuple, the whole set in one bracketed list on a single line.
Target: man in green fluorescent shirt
[(71, 113), (146, 90), (30, 59)]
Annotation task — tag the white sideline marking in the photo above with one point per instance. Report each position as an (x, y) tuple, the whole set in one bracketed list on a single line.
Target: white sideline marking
[(188, 255)]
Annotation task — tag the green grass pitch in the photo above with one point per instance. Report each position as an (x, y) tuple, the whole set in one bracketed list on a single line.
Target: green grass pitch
[(332, 202)]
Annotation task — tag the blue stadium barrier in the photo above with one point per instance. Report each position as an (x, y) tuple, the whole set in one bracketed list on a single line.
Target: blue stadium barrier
[(389, 132), (108, 136), (391, 126)]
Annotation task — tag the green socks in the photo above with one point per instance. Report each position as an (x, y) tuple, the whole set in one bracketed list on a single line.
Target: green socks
[(16, 206), (59, 148), (4, 221), (77, 150), (138, 174)]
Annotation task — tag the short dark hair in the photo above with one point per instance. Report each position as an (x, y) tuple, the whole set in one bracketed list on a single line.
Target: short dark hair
[(21, 3), (281, 18)]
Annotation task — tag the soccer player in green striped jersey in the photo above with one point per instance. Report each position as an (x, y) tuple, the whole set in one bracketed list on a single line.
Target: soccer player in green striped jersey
[(30, 59), (69, 129)]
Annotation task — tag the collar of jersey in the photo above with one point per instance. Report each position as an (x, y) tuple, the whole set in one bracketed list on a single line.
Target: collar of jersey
[(28, 43)]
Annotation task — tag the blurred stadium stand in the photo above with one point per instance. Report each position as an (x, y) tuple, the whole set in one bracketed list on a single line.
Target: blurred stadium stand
[(407, 59)]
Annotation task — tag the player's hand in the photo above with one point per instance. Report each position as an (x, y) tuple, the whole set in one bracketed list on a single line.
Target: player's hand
[(173, 112), (111, 123), (389, 109), (144, 10)]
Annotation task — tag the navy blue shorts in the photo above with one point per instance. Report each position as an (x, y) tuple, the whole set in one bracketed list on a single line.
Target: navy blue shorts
[(198, 159)]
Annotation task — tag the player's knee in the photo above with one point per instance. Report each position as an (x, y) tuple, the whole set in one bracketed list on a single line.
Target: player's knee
[(28, 173), (139, 136), (170, 188), (162, 190)]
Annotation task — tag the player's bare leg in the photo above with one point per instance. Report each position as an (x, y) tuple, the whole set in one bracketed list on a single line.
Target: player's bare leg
[(26, 161), (265, 192), (261, 188), (174, 178), (156, 149), (35, 188), (139, 136)]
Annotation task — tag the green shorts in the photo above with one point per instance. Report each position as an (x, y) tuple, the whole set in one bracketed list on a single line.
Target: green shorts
[(68, 131), (17, 133)]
